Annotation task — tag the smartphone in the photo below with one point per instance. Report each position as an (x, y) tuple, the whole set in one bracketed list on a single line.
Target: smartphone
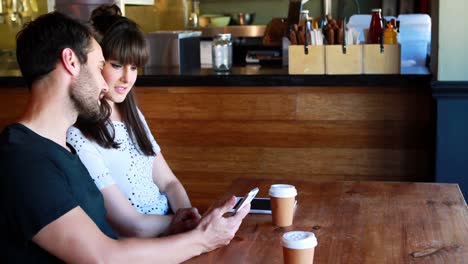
[(245, 200), (259, 205)]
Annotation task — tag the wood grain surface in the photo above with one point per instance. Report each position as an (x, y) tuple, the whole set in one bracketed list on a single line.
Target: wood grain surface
[(357, 222), (213, 135)]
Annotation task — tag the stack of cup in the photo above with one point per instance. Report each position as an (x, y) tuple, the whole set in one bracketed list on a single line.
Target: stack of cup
[(298, 247), (282, 199)]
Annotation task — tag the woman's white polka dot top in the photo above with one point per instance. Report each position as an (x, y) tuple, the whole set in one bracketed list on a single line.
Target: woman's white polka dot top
[(126, 167)]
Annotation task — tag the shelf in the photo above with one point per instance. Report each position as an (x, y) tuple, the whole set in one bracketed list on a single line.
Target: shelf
[(236, 31)]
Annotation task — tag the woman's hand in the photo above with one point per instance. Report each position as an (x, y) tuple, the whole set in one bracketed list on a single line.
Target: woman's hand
[(185, 219)]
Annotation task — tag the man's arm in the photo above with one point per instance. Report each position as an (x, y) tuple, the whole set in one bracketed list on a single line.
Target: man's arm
[(75, 238)]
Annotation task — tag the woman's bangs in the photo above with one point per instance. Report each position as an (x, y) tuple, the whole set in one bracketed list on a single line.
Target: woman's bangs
[(128, 49)]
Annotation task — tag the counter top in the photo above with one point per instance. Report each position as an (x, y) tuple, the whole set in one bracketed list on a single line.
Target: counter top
[(250, 76)]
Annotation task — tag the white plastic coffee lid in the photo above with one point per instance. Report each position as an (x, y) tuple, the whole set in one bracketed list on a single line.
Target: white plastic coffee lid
[(282, 190), (299, 240)]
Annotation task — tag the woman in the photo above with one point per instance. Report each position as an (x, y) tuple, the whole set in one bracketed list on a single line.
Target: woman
[(120, 153)]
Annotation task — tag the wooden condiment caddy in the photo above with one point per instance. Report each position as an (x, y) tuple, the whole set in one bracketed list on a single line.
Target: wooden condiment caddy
[(343, 60), (311, 63), (381, 60), (333, 60)]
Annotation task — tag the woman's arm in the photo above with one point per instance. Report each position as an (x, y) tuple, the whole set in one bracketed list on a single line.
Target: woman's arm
[(127, 221), (168, 183), (122, 216)]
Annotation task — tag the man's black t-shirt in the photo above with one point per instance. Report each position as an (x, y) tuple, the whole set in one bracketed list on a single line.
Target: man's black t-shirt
[(39, 182)]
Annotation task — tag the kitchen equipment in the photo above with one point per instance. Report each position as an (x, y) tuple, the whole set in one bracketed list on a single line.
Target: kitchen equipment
[(242, 18), (415, 38), (222, 52), (203, 21), (79, 9), (220, 21), (174, 49), (213, 20)]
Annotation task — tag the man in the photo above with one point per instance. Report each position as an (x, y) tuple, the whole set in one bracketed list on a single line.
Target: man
[(50, 210)]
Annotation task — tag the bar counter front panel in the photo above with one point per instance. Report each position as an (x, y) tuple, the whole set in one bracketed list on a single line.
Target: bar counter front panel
[(215, 128)]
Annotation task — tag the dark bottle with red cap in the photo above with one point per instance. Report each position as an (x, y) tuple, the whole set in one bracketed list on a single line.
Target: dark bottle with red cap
[(375, 27)]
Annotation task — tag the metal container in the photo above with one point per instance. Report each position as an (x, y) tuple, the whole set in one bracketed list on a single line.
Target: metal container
[(174, 49), (242, 18), (222, 52)]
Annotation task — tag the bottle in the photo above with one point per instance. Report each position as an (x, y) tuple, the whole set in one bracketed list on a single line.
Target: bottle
[(194, 15), (375, 27), (390, 35), (221, 48)]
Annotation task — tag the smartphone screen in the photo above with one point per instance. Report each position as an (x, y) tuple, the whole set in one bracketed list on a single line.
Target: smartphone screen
[(245, 200), (258, 205)]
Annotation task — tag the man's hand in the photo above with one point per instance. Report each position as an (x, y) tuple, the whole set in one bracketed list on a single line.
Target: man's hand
[(218, 230), (185, 219)]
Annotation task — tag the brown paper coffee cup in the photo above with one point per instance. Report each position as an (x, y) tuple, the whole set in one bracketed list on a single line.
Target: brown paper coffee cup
[(282, 199), (282, 210), (298, 256), (298, 247)]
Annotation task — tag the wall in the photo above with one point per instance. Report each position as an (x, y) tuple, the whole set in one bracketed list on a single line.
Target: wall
[(266, 9), (163, 15), (451, 92), (453, 40), (8, 32), (171, 14)]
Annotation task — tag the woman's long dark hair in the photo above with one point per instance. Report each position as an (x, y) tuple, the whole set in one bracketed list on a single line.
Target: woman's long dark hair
[(121, 40)]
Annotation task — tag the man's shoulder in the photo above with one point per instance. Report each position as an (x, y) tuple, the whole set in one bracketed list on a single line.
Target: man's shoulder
[(17, 139)]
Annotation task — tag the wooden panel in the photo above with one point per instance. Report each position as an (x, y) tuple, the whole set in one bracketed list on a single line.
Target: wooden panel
[(298, 160), (336, 134), (13, 102), (212, 135), (219, 106), (358, 106)]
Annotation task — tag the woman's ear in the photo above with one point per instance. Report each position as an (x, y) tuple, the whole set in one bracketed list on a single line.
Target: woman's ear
[(70, 61)]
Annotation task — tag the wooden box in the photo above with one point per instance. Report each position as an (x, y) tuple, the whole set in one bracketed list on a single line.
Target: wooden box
[(339, 62), (311, 63), (377, 62)]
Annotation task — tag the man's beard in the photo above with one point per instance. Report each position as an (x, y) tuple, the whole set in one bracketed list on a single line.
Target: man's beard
[(82, 95)]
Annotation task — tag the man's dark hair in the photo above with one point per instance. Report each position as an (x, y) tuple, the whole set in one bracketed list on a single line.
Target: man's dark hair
[(40, 43)]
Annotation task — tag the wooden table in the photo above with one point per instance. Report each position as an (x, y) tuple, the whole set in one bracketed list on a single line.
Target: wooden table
[(358, 222)]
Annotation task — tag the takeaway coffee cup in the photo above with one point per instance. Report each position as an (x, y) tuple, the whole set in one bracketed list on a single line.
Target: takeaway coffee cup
[(282, 198), (298, 247)]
